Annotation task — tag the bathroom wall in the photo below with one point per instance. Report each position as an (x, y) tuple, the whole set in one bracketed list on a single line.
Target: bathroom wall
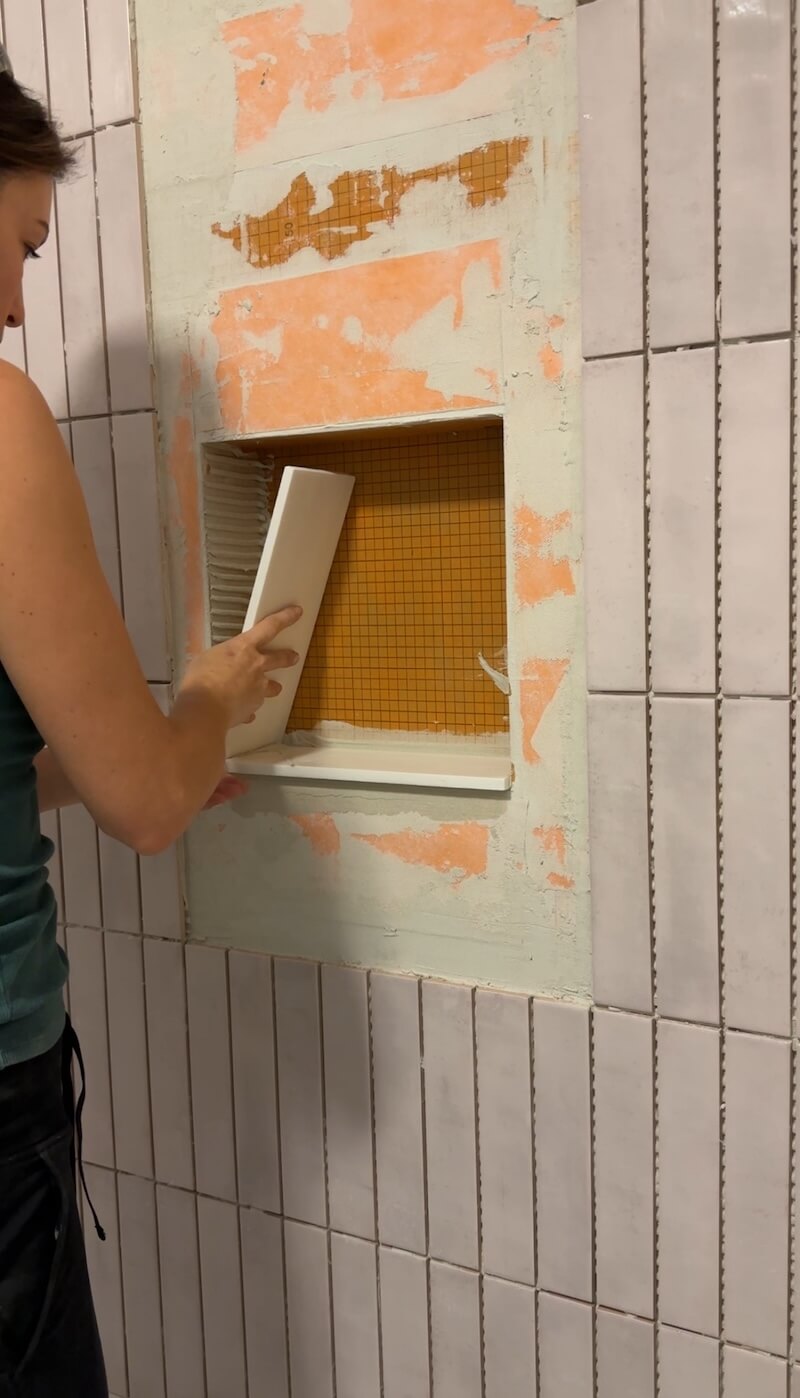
[(320, 1179), (349, 222)]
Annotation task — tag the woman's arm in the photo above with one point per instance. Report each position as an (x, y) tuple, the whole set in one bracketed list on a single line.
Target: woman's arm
[(55, 790), (142, 776)]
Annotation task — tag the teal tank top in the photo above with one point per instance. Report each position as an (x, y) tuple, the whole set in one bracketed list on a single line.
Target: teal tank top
[(33, 968)]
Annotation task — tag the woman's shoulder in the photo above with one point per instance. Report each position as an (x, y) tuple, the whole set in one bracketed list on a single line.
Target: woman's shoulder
[(17, 388), (24, 414)]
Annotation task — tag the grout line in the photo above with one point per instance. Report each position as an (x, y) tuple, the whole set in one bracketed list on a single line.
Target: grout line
[(648, 617), (478, 1185), (775, 337), (793, 718), (534, 1159), (719, 676), (424, 1113), (282, 1214), (593, 1192), (326, 1166), (56, 237), (107, 416), (696, 694), (374, 1145), (235, 1147)]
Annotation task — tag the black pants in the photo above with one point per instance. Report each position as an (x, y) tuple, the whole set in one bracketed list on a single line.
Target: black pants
[(49, 1345)]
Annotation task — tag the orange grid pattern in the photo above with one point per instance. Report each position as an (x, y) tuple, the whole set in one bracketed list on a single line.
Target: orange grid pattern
[(418, 587), (359, 200)]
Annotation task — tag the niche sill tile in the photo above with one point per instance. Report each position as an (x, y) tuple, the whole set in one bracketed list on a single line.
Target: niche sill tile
[(378, 766)]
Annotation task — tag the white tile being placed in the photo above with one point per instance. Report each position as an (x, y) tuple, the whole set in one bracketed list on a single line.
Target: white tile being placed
[(755, 175), (562, 1078), (682, 444), (566, 1348), (143, 581), (689, 1126), (450, 1122), (84, 332), (618, 820), (684, 777), (756, 1191), (688, 1365), (613, 437), (755, 518), (747, 1374), (65, 30), (624, 1183), (756, 847), (108, 23), (509, 1330), (610, 97), (122, 253), (503, 1046), (679, 98), (625, 1356)]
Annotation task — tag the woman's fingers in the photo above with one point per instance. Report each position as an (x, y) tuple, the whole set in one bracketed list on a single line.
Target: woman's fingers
[(264, 632), (280, 659)]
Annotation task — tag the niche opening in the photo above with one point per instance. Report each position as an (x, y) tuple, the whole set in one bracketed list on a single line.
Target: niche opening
[(406, 678)]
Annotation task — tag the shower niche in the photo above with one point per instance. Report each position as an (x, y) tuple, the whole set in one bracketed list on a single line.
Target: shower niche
[(405, 677)]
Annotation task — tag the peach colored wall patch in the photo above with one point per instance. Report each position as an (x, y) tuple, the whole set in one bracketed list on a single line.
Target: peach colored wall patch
[(458, 848), (538, 574), (540, 682), (321, 831), (357, 201), (336, 346), (424, 51), (554, 842)]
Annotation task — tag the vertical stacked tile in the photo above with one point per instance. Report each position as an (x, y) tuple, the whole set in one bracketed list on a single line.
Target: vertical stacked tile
[(689, 383)]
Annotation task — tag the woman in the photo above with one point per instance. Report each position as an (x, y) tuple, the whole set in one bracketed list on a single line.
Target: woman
[(69, 679)]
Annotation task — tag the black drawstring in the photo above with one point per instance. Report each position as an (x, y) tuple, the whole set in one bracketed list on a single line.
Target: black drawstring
[(73, 1047)]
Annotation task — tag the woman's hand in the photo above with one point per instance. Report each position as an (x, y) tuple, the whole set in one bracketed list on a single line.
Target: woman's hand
[(230, 788), (237, 675)]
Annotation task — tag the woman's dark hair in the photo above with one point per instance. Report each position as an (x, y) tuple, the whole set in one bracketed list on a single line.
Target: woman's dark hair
[(30, 143)]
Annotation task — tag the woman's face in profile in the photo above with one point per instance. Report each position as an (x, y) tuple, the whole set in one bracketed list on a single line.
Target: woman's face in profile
[(25, 211)]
